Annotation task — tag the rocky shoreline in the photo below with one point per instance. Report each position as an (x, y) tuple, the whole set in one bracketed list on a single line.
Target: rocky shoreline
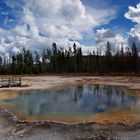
[(13, 129)]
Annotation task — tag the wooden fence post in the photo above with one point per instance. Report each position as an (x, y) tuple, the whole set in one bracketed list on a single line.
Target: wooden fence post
[(20, 82), (2, 82), (9, 82)]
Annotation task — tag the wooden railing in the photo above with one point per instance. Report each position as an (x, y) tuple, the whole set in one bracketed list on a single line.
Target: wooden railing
[(10, 82)]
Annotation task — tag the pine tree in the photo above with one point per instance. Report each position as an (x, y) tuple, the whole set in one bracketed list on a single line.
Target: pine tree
[(79, 60), (74, 58), (135, 58), (54, 57), (37, 63), (108, 57)]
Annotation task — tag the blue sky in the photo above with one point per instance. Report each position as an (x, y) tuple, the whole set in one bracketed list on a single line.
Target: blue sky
[(89, 23), (9, 13)]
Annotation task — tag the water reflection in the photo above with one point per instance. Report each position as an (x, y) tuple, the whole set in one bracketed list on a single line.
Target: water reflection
[(75, 100)]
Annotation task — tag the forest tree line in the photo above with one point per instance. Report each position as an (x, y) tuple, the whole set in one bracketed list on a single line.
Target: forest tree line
[(72, 60)]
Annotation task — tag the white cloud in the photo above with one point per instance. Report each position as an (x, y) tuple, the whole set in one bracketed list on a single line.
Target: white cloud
[(48, 21), (133, 13), (62, 18), (105, 35), (134, 35)]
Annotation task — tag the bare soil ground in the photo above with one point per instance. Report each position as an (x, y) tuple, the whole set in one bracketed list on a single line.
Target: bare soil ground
[(13, 129), (46, 82)]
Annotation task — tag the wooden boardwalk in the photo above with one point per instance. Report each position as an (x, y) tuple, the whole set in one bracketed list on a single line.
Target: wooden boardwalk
[(10, 82)]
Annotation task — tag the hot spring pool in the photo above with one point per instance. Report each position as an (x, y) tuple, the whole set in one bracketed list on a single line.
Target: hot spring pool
[(71, 104)]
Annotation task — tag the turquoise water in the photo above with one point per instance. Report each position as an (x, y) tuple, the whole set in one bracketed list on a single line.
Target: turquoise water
[(75, 100)]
